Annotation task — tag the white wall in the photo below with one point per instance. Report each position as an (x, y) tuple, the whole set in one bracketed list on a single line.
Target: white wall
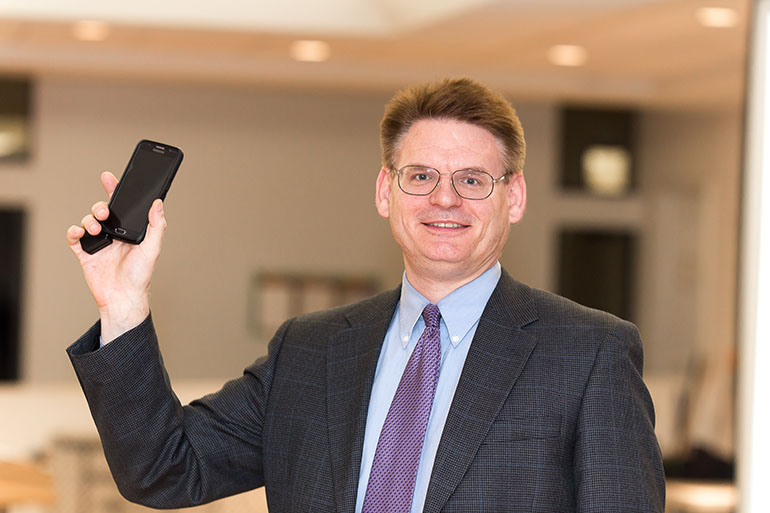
[(318, 152)]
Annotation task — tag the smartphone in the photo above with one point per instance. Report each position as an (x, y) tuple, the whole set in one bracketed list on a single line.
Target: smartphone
[(147, 177)]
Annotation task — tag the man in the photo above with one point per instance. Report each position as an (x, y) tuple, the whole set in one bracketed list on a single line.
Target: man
[(462, 390)]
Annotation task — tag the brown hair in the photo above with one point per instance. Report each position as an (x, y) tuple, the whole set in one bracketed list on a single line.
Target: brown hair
[(459, 99)]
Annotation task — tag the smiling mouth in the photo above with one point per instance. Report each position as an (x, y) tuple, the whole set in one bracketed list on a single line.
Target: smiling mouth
[(445, 225)]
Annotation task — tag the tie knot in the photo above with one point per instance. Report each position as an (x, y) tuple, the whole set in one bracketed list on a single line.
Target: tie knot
[(432, 315)]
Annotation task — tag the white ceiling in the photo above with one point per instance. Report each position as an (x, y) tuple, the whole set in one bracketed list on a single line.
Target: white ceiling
[(643, 52)]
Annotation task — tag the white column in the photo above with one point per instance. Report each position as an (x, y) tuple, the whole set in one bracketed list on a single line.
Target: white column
[(754, 300)]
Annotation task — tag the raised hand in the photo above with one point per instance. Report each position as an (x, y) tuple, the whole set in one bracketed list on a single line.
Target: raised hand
[(118, 275)]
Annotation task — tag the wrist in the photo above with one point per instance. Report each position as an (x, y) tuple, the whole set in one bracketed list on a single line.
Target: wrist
[(117, 321)]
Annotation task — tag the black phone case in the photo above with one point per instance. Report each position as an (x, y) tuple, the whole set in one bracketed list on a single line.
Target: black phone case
[(93, 243), (162, 196)]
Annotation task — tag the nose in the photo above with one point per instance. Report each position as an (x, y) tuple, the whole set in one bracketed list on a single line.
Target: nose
[(444, 195)]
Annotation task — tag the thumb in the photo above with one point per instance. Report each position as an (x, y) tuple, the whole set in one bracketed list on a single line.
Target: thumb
[(156, 228)]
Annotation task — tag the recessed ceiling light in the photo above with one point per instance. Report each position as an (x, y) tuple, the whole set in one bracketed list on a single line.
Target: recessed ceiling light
[(306, 50), (720, 17), (567, 55), (91, 30)]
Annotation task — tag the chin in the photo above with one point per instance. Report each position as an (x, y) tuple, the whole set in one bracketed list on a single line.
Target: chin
[(450, 266), (446, 257)]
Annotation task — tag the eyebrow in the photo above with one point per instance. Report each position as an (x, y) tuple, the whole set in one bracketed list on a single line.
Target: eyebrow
[(465, 168)]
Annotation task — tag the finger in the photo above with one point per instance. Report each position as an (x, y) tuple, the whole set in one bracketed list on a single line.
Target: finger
[(91, 225), (100, 210), (156, 227), (109, 182), (74, 234)]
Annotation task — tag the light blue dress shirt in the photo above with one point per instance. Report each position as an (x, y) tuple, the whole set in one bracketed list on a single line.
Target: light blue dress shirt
[(460, 314)]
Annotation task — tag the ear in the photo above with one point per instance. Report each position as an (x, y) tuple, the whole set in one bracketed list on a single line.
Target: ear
[(384, 189), (517, 198)]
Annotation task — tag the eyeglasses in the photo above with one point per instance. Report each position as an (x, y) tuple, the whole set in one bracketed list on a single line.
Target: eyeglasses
[(470, 184)]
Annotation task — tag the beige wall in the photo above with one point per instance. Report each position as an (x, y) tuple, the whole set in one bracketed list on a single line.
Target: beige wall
[(320, 151), (689, 167), (317, 153)]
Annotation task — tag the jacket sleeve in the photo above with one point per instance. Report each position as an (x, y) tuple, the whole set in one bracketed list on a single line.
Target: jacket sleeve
[(160, 453), (617, 460)]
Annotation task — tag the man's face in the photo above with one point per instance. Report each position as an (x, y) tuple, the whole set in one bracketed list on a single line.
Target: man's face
[(444, 237)]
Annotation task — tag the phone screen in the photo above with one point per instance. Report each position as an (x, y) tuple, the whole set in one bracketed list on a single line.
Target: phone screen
[(146, 178)]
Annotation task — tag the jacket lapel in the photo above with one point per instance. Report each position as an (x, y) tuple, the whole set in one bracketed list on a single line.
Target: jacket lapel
[(497, 355), (352, 360)]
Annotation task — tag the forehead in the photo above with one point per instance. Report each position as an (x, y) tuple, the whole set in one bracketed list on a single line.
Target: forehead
[(448, 145)]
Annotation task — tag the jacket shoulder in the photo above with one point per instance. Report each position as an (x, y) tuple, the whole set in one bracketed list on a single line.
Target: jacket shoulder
[(553, 316), (555, 309)]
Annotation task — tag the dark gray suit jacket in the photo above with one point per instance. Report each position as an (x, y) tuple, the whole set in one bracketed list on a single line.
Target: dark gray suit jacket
[(550, 414)]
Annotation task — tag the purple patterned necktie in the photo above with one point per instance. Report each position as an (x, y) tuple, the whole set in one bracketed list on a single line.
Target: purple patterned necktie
[(394, 469)]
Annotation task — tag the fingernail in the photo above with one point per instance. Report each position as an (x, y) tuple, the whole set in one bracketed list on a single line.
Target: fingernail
[(101, 212)]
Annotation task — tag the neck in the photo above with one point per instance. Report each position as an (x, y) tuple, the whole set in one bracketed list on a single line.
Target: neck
[(435, 288)]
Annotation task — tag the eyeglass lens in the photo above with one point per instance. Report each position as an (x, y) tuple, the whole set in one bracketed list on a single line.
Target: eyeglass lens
[(468, 183)]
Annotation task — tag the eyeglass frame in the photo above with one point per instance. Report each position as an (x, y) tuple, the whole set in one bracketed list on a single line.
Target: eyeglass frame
[(397, 172)]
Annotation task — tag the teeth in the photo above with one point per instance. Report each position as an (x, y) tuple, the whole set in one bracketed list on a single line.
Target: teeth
[(446, 225)]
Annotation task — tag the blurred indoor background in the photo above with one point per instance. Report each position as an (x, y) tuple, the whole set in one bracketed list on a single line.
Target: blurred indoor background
[(633, 115)]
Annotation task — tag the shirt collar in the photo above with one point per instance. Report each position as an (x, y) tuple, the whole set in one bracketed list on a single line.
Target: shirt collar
[(460, 310)]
